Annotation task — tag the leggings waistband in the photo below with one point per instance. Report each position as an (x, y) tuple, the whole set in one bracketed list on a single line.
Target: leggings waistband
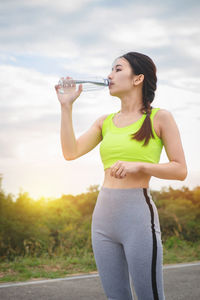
[(139, 189)]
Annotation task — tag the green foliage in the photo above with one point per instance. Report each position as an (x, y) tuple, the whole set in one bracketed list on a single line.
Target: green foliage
[(62, 226), (179, 212)]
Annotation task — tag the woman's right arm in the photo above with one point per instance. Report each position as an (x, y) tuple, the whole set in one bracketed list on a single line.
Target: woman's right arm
[(71, 147), (67, 136)]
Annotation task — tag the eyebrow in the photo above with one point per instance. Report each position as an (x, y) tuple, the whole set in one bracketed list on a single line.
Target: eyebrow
[(117, 66)]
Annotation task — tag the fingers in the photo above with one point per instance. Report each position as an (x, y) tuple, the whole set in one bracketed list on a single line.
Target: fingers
[(56, 87), (119, 174), (115, 171), (68, 84), (123, 174), (114, 168), (80, 88), (118, 170), (78, 92), (73, 84)]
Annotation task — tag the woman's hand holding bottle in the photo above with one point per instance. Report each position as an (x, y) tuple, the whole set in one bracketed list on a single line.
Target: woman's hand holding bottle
[(70, 93)]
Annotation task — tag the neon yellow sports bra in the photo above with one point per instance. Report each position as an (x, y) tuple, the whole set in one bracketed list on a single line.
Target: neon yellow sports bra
[(118, 145)]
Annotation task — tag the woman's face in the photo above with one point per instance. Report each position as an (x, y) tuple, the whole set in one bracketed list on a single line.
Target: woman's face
[(121, 78)]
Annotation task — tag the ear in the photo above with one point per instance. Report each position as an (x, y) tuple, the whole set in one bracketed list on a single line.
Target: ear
[(138, 79)]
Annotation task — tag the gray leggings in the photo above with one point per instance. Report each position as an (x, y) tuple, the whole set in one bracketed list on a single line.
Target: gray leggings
[(126, 241)]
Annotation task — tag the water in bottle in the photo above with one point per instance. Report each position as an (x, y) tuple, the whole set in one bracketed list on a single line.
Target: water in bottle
[(89, 84)]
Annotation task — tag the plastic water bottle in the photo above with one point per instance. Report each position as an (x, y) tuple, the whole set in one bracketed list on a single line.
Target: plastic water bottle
[(89, 84)]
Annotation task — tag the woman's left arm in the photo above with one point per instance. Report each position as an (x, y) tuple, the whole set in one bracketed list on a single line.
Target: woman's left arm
[(176, 168)]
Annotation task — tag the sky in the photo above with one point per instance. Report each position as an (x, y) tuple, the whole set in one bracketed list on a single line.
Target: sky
[(43, 40)]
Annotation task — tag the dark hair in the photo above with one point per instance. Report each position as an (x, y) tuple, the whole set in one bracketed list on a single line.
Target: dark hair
[(142, 64)]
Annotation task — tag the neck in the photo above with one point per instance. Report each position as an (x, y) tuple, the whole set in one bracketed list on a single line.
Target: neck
[(131, 103)]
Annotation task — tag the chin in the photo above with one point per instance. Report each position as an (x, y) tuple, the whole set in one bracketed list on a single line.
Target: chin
[(114, 94), (111, 93)]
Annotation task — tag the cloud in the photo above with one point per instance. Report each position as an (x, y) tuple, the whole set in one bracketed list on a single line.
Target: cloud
[(136, 33), (59, 5), (86, 36), (43, 40)]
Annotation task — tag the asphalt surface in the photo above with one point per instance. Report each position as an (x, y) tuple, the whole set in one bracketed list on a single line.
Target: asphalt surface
[(181, 282)]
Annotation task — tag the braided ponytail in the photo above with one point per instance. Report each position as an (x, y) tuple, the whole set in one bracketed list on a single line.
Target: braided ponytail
[(142, 64)]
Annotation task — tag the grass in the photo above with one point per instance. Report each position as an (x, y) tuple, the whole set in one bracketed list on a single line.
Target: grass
[(31, 268), (35, 268), (180, 251)]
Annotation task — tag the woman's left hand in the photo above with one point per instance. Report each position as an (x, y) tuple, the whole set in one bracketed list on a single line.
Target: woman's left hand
[(121, 168)]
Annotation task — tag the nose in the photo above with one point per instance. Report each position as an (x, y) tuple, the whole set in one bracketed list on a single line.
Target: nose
[(110, 76)]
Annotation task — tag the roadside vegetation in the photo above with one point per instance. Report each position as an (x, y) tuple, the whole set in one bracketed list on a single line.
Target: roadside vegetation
[(50, 238)]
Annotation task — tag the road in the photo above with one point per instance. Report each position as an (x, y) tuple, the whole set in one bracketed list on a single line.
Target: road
[(181, 282)]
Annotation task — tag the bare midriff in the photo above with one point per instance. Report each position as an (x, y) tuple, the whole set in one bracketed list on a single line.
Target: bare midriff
[(138, 180)]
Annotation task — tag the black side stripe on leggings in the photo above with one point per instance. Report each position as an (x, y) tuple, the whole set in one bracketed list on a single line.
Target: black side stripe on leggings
[(154, 256)]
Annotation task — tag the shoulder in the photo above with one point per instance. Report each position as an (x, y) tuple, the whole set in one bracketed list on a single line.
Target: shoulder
[(162, 118), (163, 115), (163, 112), (165, 122), (101, 119)]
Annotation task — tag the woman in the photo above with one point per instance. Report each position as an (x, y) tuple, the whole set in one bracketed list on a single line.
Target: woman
[(126, 236)]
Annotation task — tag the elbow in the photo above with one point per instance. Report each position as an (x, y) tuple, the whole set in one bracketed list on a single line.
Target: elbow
[(183, 177), (69, 157), (180, 172), (183, 174)]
